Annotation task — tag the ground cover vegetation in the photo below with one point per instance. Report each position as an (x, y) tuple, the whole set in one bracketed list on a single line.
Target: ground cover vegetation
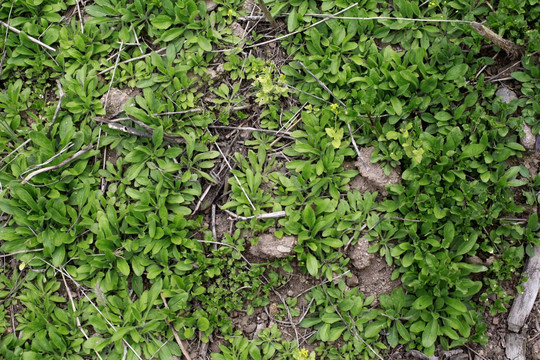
[(108, 240)]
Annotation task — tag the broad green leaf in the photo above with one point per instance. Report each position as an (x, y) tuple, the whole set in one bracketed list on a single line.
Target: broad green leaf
[(396, 105), (157, 136), (292, 20), (456, 72), (204, 43), (521, 76), (335, 332), (312, 264), (324, 332), (162, 22), (456, 304), (428, 85), (448, 232), (172, 34), (123, 266), (373, 329), (472, 150), (203, 324), (308, 215), (309, 322), (430, 333), (423, 302)]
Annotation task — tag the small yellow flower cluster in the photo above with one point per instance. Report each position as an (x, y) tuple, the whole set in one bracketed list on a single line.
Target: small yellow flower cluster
[(303, 354)]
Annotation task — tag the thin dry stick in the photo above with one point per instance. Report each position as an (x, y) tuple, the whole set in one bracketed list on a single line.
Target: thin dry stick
[(112, 77), (176, 139), (20, 252), (80, 16), (132, 59), (60, 97), (55, 167), (275, 132), (288, 315), (388, 18), (214, 233), (302, 30), (343, 105), (324, 282), (48, 161), (272, 215), (236, 177), (180, 343), (349, 328), (79, 325), (159, 349), (289, 128), (5, 41), (227, 245), (267, 14), (199, 203), (32, 39), (198, 110), (14, 151), (91, 302)]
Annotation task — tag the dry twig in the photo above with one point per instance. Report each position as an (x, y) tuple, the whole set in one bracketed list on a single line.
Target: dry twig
[(272, 215), (303, 29), (32, 39), (79, 326), (177, 338), (55, 167)]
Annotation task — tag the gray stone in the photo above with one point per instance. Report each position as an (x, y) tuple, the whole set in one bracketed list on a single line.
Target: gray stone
[(506, 95), (210, 5), (359, 255), (528, 140), (271, 247), (535, 353), (374, 174)]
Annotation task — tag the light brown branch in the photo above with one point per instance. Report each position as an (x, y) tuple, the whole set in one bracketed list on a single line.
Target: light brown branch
[(177, 338), (32, 39), (55, 167)]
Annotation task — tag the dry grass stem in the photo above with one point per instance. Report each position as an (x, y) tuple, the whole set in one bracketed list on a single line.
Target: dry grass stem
[(55, 167), (177, 338), (32, 39)]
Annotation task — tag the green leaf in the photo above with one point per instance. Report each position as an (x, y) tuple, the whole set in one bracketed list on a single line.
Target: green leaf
[(373, 329), (396, 105), (203, 324), (428, 85), (472, 150), (312, 264), (467, 244), (157, 136), (162, 22), (335, 332), (449, 232), (172, 34), (423, 302), (533, 221), (443, 116), (292, 20), (309, 322), (456, 304), (430, 333), (456, 72), (521, 76), (204, 43), (123, 266), (324, 332), (308, 215), (254, 352)]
